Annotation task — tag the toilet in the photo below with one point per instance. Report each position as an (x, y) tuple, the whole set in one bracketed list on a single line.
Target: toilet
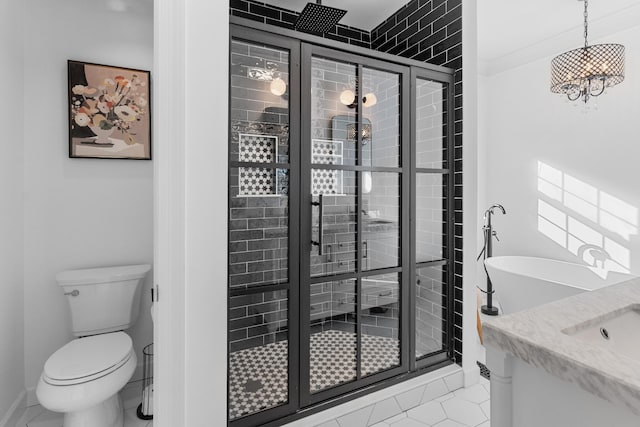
[(84, 377)]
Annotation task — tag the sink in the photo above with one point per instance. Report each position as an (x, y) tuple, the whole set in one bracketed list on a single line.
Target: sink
[(616, 331)]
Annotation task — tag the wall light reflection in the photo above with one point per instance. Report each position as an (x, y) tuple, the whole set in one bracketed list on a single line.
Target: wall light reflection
[(590, 223)]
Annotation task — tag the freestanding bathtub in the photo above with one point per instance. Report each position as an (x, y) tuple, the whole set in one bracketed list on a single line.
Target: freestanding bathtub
[(523, 282)]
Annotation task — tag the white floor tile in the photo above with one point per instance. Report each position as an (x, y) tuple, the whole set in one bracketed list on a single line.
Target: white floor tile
[(37, 416), (487, 387), (358, 418), (384, 410), (454, 381), (464, 412), (31, 412), (475, 394), (486, 408), (396, 418), (446, 397), (46, 419), (485, 424), (410, 399), (409, 422), (332, 423), (429, 413), (434, 390), (449, 423)]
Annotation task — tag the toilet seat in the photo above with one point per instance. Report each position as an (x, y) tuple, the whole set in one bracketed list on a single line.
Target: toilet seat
[(87, 359)]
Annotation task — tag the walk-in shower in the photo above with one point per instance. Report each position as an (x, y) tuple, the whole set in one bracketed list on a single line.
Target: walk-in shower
[(340, 225)]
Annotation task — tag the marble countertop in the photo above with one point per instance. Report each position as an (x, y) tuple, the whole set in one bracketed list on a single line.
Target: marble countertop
[(535, 336)]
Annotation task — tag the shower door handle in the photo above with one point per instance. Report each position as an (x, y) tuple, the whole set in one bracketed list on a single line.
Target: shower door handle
[(318, 243)]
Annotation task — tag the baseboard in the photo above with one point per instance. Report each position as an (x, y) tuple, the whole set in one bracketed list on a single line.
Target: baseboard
[(32, 399), (15, 411)]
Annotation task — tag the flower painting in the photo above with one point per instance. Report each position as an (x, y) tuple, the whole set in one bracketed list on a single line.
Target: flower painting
[(109, 115)]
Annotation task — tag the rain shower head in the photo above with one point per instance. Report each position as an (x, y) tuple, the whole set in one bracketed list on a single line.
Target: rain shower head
[(318, 19)]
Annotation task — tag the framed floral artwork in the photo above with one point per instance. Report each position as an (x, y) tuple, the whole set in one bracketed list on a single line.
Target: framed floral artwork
[(109, 112)]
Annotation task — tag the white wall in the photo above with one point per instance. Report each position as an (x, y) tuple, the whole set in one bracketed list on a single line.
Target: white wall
[(471, 151), (79, 213), (191, 212), (590, 195), (11, 198)]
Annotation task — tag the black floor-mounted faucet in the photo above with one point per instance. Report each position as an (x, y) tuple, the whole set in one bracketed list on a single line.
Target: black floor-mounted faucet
[(487, 251)]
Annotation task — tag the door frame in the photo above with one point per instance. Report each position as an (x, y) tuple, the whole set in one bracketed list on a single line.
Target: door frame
[(198, 26), (410, 69), (308, 52)]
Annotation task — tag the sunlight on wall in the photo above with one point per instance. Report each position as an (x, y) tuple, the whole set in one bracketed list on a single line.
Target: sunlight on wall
[(590, 223)]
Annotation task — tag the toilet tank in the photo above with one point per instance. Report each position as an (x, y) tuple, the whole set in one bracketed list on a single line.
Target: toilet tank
[(103, 299)]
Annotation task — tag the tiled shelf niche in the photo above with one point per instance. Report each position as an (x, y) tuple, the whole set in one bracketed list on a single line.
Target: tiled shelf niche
[(326, 181), (260, 182)]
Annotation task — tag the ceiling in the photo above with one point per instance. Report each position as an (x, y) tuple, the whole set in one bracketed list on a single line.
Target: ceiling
[(506, 26), (362, 14)]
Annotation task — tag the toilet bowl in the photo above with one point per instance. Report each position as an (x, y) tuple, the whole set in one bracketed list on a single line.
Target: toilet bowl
[(83, 378)]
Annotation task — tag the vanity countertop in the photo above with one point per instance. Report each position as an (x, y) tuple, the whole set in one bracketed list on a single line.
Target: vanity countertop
[(535, 336)]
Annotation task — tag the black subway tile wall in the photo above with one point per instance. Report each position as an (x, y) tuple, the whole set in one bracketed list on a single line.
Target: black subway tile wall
[(258, 207), (431, 31), (424, 30), (273, 15)]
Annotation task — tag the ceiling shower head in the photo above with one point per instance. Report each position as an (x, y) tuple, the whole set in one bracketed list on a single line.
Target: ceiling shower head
[(318, 19)]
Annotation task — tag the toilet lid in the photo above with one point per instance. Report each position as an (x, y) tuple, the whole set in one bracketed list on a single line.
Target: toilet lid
[(84, 359)]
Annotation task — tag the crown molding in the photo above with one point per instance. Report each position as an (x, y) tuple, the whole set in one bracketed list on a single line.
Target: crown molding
[(600, 28)]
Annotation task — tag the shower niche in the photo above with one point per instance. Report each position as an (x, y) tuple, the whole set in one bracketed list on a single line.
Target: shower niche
[(340, 240)]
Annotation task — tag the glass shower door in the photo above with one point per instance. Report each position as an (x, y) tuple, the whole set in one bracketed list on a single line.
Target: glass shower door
[(352, 183), (263, 263)]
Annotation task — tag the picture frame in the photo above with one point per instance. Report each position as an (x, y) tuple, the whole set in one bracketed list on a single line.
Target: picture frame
[(109, 111)]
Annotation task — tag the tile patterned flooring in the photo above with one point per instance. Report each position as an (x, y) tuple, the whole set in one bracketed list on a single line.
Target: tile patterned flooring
[(37, 416), (258, 376), (467, 407)]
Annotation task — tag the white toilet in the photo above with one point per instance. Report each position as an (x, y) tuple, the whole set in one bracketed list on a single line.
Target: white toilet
[(83, 378)]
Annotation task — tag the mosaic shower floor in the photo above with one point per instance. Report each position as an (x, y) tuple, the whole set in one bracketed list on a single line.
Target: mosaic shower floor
[(258, 376)]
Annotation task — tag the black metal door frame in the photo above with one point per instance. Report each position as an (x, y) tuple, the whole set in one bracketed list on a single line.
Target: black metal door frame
[(302, 47), (308, 52)]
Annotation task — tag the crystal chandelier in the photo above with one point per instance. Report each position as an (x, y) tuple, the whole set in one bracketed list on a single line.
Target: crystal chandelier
[(587, 71)]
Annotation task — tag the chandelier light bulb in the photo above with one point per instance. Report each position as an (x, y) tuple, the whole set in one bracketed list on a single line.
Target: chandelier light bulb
[(278, 87), (347, 97), (369, 100)]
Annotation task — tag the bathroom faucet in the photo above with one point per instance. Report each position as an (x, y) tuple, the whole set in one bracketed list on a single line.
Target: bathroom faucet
[(487, 250), (487, 228)]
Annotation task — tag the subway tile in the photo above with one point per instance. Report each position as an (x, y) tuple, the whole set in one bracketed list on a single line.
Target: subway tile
[(239, 5), (265, 11)]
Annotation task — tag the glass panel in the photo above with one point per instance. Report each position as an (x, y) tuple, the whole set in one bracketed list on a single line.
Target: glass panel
[(380, 323), (381, 118), (381, 220), (259, 103), (334, 91), (338, 227), (430, 310), (258, 227), (430, 216), (258, 352), (333, 341), (431, 120)]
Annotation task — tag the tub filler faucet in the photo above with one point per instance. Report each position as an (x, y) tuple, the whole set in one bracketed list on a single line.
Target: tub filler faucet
[(487, 251)]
